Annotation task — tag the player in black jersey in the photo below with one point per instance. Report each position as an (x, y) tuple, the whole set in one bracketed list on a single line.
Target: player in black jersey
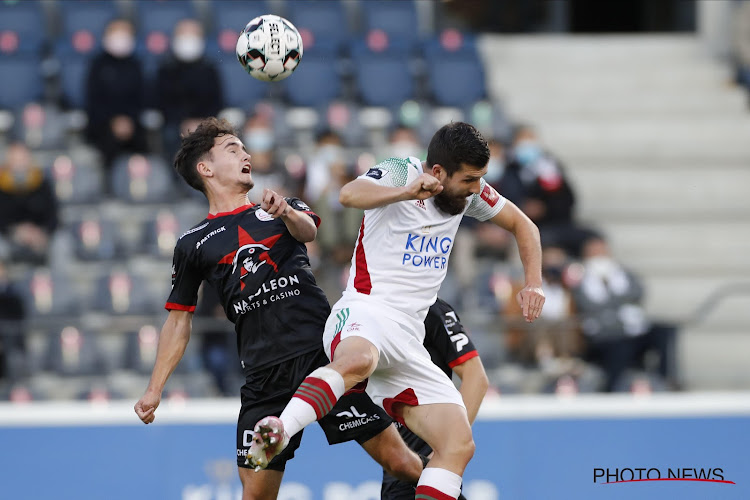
[(254, 256), (452, 351)]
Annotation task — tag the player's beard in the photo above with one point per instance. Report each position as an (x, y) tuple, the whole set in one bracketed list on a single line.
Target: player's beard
[(450, 203)]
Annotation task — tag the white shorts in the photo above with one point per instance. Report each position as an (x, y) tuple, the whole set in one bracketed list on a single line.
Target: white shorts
[(405, 372)]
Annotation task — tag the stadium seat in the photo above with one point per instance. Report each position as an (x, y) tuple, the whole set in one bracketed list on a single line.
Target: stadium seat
[(48, 293), (95, 238), (22, 28), (74, 68), (140, 352), (232, 16), (121, 292), (315, 83), (157, 18), (455, 73), (76, 183), (163, 229), (395, 18), (142, 179), (41, 127), (74, 352), (322, 24), (240, 89), (82, 24), (383, 80), (20, 81)]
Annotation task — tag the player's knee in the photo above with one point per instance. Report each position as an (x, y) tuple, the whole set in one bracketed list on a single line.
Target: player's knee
[(357, 363), (404, 466)]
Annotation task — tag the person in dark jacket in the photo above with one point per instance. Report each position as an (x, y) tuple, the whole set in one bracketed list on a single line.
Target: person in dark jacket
[(115, 94), (188, 85)]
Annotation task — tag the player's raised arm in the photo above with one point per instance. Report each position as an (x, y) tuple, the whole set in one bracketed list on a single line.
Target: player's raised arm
[(173, 340), (531, 298), (363, 194), (299, 224)]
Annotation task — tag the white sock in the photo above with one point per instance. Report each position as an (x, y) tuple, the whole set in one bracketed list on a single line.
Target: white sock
[(314, 398), (439, 483)]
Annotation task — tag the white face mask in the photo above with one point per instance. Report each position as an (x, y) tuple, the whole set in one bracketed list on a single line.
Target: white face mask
[(259, 140), (404, 149), (188, 48), (119, 44)]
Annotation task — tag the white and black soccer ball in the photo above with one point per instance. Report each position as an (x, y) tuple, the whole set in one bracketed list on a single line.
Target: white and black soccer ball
[(269, 48)]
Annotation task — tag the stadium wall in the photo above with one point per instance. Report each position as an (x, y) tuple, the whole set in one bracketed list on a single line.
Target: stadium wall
[(532, 447)]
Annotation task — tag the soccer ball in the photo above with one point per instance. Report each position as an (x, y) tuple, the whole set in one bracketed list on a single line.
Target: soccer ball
[(269, 48)]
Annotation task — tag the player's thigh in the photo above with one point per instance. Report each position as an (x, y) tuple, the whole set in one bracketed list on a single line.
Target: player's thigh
[(444, 426), (391, 452), (261, 485)]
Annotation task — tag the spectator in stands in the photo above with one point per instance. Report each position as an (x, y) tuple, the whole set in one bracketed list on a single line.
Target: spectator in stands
[(741, 42), (535, 180), (404, 142), (617, 333), (28, 207), (188, 86), (115, 94), (260, 141), (327, 171), (12, 341)]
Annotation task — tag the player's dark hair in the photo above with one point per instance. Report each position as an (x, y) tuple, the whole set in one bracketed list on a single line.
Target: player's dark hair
[(196, 145), (457, 143)]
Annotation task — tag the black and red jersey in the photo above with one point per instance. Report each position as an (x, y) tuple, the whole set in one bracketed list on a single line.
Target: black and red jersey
[(262, 276)]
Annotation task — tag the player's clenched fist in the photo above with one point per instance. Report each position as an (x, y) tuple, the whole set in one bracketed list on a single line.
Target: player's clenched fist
[(531, 300), (423, 187), (273, 203), (146, 406)]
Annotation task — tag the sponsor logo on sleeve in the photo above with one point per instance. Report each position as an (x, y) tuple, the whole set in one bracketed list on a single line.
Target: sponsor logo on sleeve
[(489, 195), (375, 173)]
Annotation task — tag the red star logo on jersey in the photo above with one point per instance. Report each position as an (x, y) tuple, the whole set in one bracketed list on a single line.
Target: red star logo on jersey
[(251, 255)]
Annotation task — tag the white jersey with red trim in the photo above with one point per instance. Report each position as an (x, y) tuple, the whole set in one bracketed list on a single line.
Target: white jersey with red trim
[(402, 250)]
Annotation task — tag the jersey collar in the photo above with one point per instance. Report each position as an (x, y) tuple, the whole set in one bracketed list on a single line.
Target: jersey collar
[(235, 211)]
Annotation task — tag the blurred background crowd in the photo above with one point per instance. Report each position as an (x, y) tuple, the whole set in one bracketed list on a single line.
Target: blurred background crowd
[(94, 95)]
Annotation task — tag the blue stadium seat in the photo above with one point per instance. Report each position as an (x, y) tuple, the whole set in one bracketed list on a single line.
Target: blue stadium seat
[(230, 15), (83, 22), (23, 29), (315, 83), (76, 183), (158, 17), (74, 69), (383, 78), (20, 81), (397, 18), (322, 23), (454, 69), (240, 89)]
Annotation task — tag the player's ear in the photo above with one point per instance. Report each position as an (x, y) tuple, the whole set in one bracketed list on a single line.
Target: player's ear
[(204, 169), (438, 171)]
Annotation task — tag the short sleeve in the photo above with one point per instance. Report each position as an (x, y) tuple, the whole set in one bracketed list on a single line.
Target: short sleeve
[(486, 204), (446, 335), (394, 172), (185, 282), (301, 206)]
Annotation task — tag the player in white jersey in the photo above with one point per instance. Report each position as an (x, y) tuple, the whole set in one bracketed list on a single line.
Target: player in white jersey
[(375, 332)]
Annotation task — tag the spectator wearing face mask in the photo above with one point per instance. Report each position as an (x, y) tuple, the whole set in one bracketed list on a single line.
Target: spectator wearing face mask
[(260, 141), (188, 86), (28, 207), (535, 181), (617, 333), (115, 94)]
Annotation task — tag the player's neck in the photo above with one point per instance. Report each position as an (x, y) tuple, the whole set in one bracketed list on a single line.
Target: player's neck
[(229, 203)]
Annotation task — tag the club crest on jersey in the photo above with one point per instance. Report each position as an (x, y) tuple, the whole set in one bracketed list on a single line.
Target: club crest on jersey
[(250, 255), (262, 215)]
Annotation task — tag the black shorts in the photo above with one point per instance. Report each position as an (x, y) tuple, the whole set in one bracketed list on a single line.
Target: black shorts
[(354, 418)]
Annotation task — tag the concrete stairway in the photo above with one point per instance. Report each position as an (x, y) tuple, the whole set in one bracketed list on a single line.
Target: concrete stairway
[(657, 142)]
